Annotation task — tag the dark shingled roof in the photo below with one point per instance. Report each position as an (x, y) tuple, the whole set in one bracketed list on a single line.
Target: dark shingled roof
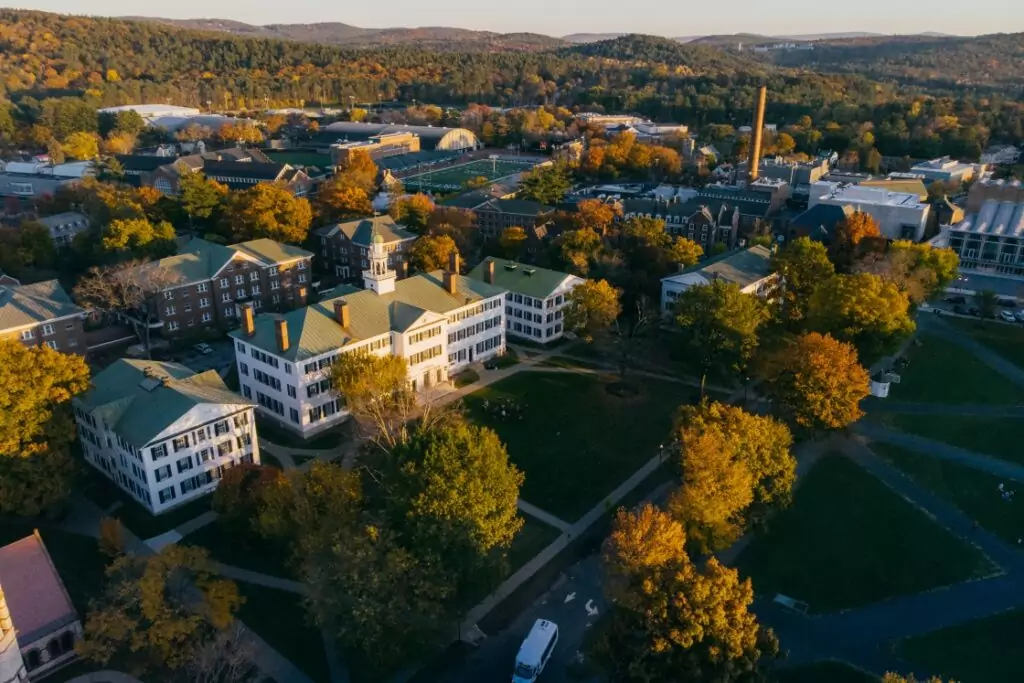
[(819, 222)]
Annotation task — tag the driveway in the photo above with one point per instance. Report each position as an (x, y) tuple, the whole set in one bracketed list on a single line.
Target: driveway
[(221, 360)]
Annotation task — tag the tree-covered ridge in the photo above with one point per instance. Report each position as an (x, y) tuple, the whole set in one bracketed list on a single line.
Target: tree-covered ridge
[(696, 57)]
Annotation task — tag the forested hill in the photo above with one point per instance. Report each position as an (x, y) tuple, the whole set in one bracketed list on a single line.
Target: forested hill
[(651, 49), (931, 61), (335, 33)]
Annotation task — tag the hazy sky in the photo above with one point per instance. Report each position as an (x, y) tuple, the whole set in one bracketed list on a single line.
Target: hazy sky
[(661, 17)]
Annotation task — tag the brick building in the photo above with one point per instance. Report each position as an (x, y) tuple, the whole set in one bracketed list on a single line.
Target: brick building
[(41, 313), (213, 280), (496, 215), (345, 247)]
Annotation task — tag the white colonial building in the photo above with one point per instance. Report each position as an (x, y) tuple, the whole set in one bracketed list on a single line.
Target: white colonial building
[(749, 269), (535, 298), (438, 322), (163, 433)]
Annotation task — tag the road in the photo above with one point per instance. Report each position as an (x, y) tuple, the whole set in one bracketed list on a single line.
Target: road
[(494, 659)]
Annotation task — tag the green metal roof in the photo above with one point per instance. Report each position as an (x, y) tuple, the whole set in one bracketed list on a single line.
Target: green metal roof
[(363, 230), (141, 398), (202, 260), (742, 267), (313, 330), (520, 278), (22, 305)]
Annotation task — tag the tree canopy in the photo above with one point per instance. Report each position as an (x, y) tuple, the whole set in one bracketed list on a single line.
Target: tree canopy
[(593, 307), (268, 210), (864, 309)]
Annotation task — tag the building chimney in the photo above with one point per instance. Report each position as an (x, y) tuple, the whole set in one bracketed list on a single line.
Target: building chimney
[(489, 272), (453, 262), (248, 320), (281, 332), (449, 282), (341, 313), (758, 133)]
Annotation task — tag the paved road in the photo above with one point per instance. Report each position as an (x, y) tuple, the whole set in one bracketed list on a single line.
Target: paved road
[(494, 659)]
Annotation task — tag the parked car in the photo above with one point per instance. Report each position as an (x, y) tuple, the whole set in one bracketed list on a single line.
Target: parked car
[(1020, 316), (203, 349), (1007, 303), (1008, 316), (956, 300)]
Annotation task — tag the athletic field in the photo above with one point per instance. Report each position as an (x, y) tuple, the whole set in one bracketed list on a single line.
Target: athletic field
[(453, 178)]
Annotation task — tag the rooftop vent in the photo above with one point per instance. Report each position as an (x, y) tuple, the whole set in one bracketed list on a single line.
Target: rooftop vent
[(150, 383), (529, 271), (511, 266)]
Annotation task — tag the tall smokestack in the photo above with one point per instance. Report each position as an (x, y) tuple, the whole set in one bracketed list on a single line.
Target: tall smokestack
[(758, 134)]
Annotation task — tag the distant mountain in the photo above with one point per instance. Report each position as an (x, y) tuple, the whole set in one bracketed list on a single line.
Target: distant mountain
[(334, 33), (580, 38), (695, 56)]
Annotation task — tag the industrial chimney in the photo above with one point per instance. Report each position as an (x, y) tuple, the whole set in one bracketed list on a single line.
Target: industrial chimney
[(758, 134)]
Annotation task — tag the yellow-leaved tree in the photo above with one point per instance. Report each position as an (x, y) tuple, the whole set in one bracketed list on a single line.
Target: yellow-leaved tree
[(593, 307), (268, 210)]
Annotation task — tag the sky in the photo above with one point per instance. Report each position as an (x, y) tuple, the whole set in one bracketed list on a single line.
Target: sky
[(659, 17)]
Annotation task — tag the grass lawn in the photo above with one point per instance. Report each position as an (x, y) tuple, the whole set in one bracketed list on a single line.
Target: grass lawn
[(848, 541), (990, 435), (983, 651), (1006, 340), (941, 371), (257, 555), (975, 493), (824, 672), (569, 362), (465, 378), (532, 538), (280, 618), (268, 460), (133, 516), (570, 465)]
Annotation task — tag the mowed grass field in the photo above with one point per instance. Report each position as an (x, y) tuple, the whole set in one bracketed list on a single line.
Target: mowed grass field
[(454, 177)]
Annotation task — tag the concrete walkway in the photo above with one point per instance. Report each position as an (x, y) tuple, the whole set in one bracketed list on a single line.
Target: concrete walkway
[(543, 515), (524, 573), (256, 578), (937, 449)]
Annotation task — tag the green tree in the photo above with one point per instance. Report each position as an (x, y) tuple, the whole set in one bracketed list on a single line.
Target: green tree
[(376, 390), (238, 499), (801, 267), (157, 611), (651, 254), (579, 248), (919, 270), (413, 212), (67, 115), (863, 309), (454, 492), (546, 184), (268, 210), (818, 382), (431, 252), (139, 237), (593, 307), (326, 498), (718, 326), (987, 300), (200, 197)]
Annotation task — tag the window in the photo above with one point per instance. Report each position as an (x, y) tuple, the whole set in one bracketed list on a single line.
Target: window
[(207, 317), (272, 271), (224, 282), (225, 297), (241, 420), (181, 443), (163, 473), (302, 277), (185, 464), (27, 334), (240, 293), (170, 310), (257, 304), (204, 303), (275, 285), (205, 455), (276, 299), (294, 415), (166, 494), (239, 279), (158, 452), (225, 448), (255, 290), (168, 295), (48, 330), (244, 369), (254, 276), (172, 326), (301, 266), (52, 345), (187, 308), (202, 287), (240, 346), (291, 391), (220, 428), (229, 311), (287, 368)]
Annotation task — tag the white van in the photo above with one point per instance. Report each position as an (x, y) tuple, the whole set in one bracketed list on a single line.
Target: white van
[(535, 651)]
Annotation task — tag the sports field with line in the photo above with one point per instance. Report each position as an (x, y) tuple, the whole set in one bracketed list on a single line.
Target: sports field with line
[(455, 177)]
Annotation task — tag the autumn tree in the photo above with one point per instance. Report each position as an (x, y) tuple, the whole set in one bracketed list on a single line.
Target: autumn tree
[(431, 252), (156, 612), (921, 271), (128, 290), (651, 253), (200, 197), (36, 425), (239, 497), (243, 132), (801, 267), (546, 184), (672, 621), (453, 491), (268, 210), (359, 170), (596, 215), (139, 237), (592, 307), (340, 199), (898, 678), (856, 236), (579, 249), (737, 470), (718, 326), (325, 497), (413, 212), (376, 390), (818, 382), (513, 242), (81, 145), (863, 309)]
